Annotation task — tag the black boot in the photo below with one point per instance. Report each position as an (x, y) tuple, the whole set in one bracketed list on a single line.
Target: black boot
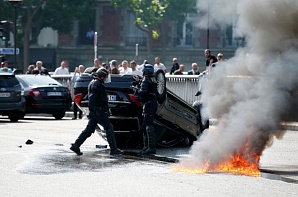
[(112, 142), (75, 148), (80, 114), (145, 142), (151, 142), (198, 93)]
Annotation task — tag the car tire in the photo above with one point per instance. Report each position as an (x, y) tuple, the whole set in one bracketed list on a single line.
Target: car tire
[(59, 115), (161, 86), (14, 117), (22, 115)]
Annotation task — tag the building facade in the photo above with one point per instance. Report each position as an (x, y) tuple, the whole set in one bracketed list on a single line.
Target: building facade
[(119, 38)]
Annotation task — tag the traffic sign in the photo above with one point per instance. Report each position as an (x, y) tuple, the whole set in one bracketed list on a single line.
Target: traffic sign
[(9, 51)]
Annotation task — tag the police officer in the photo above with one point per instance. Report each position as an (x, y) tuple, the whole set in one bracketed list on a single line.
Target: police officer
[(98, 113), (148, 96)]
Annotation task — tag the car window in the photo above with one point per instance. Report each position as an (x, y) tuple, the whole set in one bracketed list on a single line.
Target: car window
[(8, 81), (31, 80)]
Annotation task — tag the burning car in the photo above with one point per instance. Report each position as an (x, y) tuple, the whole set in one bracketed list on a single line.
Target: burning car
[(175, 122)]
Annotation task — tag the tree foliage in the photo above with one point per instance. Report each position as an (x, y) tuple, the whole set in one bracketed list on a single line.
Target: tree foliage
[(33, 15), (178, 9), (57, 14), (150, 13)]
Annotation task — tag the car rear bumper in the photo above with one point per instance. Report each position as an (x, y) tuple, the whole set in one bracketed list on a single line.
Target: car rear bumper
[(19, 106), (47, 108)]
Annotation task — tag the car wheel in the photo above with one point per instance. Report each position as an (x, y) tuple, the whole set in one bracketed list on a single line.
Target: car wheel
[(22, 115), (14, 117), (161, 85), (59, 115)]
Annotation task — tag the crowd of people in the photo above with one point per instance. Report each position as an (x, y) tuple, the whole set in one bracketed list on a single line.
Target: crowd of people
[(125, 67), (101, 72)]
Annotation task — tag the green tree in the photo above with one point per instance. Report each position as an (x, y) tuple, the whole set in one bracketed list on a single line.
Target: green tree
[(150, 14), (57, 14)]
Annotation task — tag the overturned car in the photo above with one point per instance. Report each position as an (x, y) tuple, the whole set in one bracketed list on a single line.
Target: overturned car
[(176, 121)]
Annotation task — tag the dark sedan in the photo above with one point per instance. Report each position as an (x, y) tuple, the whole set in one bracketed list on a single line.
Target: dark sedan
[(12, 103), (44, 94)]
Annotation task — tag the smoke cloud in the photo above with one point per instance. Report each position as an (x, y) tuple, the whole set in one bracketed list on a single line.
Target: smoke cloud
[(252, 92)]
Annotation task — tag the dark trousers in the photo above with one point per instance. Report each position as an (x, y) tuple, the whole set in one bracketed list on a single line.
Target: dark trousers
[(101, 117), (149, 111), (75, 111)]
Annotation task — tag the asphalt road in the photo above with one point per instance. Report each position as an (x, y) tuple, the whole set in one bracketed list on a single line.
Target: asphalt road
[(48, 168)]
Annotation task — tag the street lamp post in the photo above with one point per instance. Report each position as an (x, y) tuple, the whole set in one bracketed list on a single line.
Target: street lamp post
[(15, 4), (208, 26)]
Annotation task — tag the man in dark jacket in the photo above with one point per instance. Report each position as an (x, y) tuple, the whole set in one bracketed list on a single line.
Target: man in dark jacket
[(175, 66), (96, 66), (39, 69), (148, 96), (98, 113), (194, 70)]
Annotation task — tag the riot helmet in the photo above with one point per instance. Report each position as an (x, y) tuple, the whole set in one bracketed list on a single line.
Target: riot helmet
[(102, 72), (148, 70)]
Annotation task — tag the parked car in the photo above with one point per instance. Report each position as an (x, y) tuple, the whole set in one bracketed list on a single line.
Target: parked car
[(12, 103), (44, 94), (175, 122)]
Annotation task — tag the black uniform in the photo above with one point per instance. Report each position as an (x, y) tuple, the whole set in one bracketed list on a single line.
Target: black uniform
[(98, 108), (174, 68), (148, 96), (212, 57)]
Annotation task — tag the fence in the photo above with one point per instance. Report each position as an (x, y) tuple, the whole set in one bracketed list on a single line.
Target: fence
[(185, 86)]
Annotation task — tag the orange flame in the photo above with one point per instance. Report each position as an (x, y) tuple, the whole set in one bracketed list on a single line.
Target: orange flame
[(238, 164)]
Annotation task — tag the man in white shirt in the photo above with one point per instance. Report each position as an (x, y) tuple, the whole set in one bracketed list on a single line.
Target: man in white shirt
[(134, 70), (62, 70), (159, 66), (78, 71), (124, 69)]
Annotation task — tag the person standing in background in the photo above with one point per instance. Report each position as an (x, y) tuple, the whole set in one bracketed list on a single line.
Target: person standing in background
[(220, 58), (78, 71), (194, 70), (210, 59), (95, 67), (134, 70), (175, 65), (39, 69), (159, 66), (4, 67), (124, 70), (180, 70), (30, 69), (62, 70)]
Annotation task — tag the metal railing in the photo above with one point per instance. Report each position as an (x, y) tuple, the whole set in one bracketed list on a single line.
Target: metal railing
[(185, 86)]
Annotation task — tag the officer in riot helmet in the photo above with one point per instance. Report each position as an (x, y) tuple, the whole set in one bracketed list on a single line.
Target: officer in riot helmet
[(98, 113), (148, 96)]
